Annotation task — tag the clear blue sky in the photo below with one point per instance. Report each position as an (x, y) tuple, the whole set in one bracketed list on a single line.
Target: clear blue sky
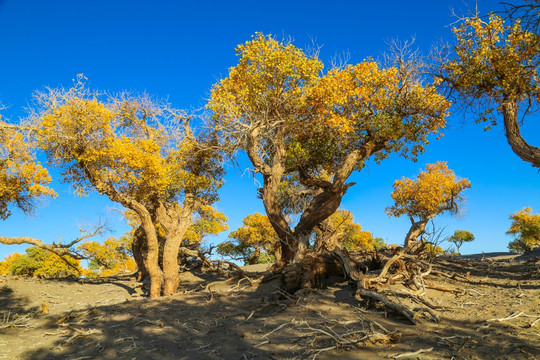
[(178, 49)]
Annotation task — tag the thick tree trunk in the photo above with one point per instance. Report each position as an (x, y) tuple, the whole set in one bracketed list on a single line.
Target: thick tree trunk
[(140, 250), (254, 259), (152, 254), (520, 147), (416, 230), (175, 230)]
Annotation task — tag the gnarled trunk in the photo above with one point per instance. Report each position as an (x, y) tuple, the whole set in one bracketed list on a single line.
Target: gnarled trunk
[(139, 249), (175, 229), (520, 147), (151, 258)]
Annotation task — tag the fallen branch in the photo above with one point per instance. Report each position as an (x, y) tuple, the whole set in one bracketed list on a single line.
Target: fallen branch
[(389, 303), (411, 354)]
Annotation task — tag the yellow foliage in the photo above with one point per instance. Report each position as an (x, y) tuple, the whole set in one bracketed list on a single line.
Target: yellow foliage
[(5, 265), (22, 178), (526, 229), (256, 232), (350, 234), (277, 88), (495, 61), (125, 145), (434, 190)]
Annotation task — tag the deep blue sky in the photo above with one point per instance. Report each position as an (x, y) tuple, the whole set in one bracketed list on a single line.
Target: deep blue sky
[(177, 50)]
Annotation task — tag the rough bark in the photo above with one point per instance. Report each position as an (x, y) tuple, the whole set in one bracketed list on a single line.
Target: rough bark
[(175, 229), (520, 147), (140, 249), (147, 224), (152, 255), (416, 230)]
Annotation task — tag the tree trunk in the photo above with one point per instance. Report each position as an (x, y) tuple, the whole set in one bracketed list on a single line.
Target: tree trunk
[(151, 259), (175, 230), (416, 230), (520, 147), (254, 258), (140, 250)]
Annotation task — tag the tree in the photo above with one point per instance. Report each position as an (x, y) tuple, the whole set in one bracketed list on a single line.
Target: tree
[(38, 262), (495, 67), (435, 190), (340, 230), (459, 237), (22, 178), (525, 228), (299, 125), (5, 266), (140, 153), (110, 257), (256, 235)]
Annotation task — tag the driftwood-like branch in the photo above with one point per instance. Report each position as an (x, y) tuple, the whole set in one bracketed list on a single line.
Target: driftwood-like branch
[(61, 250)]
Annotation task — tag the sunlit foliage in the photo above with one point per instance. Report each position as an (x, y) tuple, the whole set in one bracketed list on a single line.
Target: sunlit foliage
[(255, 237), (111, 257), (347, 233), (435, 190), (22, 178), (38, 262), (495, 68), (299, 124), (525, 228), (5, 266), (207, 222)]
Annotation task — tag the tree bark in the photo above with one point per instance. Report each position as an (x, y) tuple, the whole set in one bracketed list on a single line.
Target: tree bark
[(139, 248), (175, 229), (151, 259), (520, 147), (416, 230)]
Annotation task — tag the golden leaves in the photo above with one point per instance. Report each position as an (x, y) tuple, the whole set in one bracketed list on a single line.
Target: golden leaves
[(22, 178), (434, 190), (495, 60)]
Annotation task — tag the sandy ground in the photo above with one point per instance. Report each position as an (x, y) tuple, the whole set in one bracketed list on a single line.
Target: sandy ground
[(489, 309)]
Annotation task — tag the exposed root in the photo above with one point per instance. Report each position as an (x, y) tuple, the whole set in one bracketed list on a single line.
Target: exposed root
[(14, 321)]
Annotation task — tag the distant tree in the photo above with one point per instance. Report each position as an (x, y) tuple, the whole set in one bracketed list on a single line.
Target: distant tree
[(435, 190), (495, 68), (255, 237), (38, 262), (5, 266), (139, 152), (340, 230), (111, 257), (525, 228), (300, 125), (460, 237), (378, 243)]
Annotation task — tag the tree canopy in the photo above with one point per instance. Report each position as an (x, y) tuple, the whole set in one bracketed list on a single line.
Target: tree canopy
[(435, 190), (139, 152), (495, 68), (525, 228), (299, 124), (459, 237), (22, 178)]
